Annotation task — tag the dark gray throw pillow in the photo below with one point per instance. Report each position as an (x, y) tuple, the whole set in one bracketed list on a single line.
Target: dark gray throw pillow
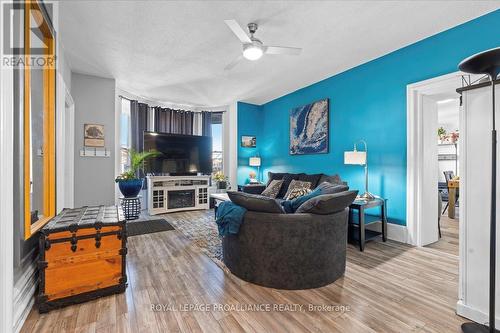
[(335, 179), (328, 203), (313, 179), (274, 176), (287, 179), (255, 202), (329, 188)]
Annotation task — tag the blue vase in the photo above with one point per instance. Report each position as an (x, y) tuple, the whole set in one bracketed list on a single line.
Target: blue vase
[(130, 188)]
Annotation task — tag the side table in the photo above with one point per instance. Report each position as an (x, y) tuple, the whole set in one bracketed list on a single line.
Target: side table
[(252, 188), (131, 207), (357, 229)]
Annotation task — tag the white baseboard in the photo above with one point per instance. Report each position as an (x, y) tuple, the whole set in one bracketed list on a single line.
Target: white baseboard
[(24, 293), (395, 232), (474, 314)]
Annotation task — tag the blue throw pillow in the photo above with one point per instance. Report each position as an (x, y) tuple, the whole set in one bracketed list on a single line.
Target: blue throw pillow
[(290, 206)]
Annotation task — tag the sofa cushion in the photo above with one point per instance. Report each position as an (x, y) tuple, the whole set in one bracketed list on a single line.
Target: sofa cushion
[(290, 206), (273, 189), (287, 179), (296, 185), (329, 188), (274, 176), (313, 179), (335, 179), (327, 203), (255, 202)]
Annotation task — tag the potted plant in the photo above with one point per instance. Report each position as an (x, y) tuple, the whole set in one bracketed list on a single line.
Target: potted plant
[(441, 134), (130, 185), (220, 180)]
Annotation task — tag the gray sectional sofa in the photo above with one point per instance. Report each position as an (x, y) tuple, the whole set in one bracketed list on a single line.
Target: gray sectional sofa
[(303, 250)]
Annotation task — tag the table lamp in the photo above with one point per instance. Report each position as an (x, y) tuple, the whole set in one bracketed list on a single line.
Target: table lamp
[(487, 62), (356, 157), (255, 162)]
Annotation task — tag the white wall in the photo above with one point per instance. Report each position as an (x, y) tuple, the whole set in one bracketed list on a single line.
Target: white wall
[(475, 185), (94, 99)]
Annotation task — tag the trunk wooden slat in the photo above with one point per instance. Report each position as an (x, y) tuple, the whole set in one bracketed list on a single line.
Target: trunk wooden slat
[(82, 256)]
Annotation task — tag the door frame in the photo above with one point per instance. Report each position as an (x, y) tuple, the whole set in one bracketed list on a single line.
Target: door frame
[(415, 149)]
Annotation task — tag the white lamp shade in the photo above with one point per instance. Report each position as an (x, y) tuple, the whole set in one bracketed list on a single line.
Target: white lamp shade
[(355, 157), (254, 161)]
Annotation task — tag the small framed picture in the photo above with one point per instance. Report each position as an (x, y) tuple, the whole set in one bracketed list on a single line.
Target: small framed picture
[(93, 135), (248, 141)]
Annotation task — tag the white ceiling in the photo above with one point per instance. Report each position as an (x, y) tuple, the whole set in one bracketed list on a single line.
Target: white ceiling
[(175, 51)]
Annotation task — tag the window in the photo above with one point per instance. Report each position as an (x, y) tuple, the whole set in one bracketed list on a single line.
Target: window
[(39, 119), (217, 142), (125, 135)]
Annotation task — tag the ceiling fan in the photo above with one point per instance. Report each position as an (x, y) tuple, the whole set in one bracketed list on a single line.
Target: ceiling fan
[(253, 48)]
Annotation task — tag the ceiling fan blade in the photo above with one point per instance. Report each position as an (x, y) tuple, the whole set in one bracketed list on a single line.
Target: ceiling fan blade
[(238, 31), (233, 63), (283, 50)]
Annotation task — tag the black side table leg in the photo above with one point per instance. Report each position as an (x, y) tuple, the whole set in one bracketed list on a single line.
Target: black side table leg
[(383, 210), (361, 229), (350, 221)]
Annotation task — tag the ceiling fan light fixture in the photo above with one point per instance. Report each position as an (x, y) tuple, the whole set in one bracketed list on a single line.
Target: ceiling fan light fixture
[(252, 51)]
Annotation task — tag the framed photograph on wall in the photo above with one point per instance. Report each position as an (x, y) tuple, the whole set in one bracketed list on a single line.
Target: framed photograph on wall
[(93, 135), (309, 128), (248, 141)]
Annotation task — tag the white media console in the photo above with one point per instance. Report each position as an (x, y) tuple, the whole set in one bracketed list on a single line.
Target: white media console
[(168, 194)]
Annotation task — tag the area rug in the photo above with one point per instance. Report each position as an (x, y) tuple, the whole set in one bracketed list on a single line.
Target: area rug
[(201, 229), (136, 228)]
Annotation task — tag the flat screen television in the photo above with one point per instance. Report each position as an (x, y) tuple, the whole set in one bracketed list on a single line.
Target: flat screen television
[(180, 154)]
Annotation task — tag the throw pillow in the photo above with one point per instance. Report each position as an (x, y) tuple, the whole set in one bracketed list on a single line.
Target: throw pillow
[(273, 189), (296, 184), (274, 176), (254, 202), (290, 206), (335, 179), (313, 179), (298, 192), (328, 188), (328, 203), (287, 179)]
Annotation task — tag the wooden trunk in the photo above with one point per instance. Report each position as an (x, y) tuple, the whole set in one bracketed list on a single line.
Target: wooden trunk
[(82, 256)]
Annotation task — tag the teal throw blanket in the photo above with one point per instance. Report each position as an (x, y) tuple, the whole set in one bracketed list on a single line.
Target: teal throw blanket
[(229, 218)]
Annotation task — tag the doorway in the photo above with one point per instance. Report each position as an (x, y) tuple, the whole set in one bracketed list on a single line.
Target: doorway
[(423, 166)]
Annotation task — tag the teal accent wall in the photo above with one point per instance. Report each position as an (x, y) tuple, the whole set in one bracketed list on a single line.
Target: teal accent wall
[(250, 119), (368, 102)]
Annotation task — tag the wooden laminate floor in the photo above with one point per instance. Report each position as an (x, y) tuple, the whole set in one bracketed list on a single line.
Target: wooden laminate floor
[(390, 287), (448, 242)]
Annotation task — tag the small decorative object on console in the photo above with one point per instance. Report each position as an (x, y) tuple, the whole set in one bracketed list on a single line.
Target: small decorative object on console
[(221, 180), (82, 256)]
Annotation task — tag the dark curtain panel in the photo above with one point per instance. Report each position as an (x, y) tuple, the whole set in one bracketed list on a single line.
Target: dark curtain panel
[(138, 124), (173, 121), (207, 123)]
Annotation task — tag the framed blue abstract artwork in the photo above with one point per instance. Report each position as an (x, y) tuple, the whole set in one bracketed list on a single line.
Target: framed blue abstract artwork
[(309, 128)]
